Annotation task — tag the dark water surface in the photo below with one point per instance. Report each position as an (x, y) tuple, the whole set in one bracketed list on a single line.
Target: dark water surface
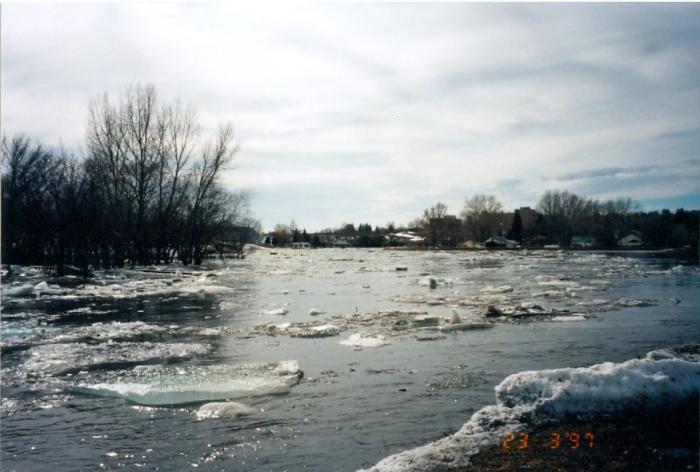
[(353, 406)]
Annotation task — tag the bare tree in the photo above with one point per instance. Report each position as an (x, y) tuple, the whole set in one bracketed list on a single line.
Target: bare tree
[(106, 163), (568, 214), (480, 204), (177, 133), (482, 216), (206, 171), (27, 171), (434, 222), (160, 185)]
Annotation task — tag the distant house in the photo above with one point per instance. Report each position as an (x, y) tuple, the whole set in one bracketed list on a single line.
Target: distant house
[(583, 242), (631, 240), (341, 241), (539, 241), (405, 238), (500, 242)]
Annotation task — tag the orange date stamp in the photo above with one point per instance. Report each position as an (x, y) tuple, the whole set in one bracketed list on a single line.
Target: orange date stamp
[(574, 440)]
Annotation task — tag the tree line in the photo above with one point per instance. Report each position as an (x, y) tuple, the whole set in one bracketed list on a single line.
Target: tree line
[(559, 217), (147, 190)]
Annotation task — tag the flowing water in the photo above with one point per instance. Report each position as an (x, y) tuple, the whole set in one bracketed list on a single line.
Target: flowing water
[(111, 372)]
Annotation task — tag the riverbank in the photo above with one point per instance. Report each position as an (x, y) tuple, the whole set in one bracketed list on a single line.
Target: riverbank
[(661, 440)]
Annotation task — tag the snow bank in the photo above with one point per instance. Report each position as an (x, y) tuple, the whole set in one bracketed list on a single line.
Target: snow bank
[(191, 384), (661, 378), (602, 388)]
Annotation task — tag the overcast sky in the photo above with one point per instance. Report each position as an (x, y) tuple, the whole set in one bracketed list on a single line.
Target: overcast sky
[(373, 112)]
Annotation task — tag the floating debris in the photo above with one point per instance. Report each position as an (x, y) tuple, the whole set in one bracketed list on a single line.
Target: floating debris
[(428, 282)]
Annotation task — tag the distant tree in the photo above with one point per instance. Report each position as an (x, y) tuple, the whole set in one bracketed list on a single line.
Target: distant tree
[(415, 224), (568, 215), (27, 172), (482, 216), (364, 228), (347, 230), (282, 233), (433, 222)]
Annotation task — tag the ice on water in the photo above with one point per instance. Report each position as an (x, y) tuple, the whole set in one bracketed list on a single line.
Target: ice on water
[(360, 340), (197, 383), (224, 410), (57, 359)]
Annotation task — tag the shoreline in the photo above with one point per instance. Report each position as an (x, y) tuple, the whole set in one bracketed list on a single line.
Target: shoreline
[(665, 440)]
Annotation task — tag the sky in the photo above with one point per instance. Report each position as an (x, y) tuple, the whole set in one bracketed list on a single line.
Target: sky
[(369, 112)]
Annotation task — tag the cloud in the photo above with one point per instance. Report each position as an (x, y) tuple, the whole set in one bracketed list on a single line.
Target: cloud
[(609, 172), (372, 112)]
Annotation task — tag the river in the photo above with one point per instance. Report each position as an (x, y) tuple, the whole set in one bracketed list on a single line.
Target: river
[(384, 373)]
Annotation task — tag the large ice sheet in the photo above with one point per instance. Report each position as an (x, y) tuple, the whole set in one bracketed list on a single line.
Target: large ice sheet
[(192, 384), (57, 359)]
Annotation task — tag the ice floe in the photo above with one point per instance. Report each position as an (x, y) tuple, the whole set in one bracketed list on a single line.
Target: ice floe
[(197, 383), (358, 340), (18, 291), (114, 331), (311, 329), (491, 290), (465, 326), (277, 312), (121, 286), (574, 317), (224, 410), (428, 282), (57, 359)]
